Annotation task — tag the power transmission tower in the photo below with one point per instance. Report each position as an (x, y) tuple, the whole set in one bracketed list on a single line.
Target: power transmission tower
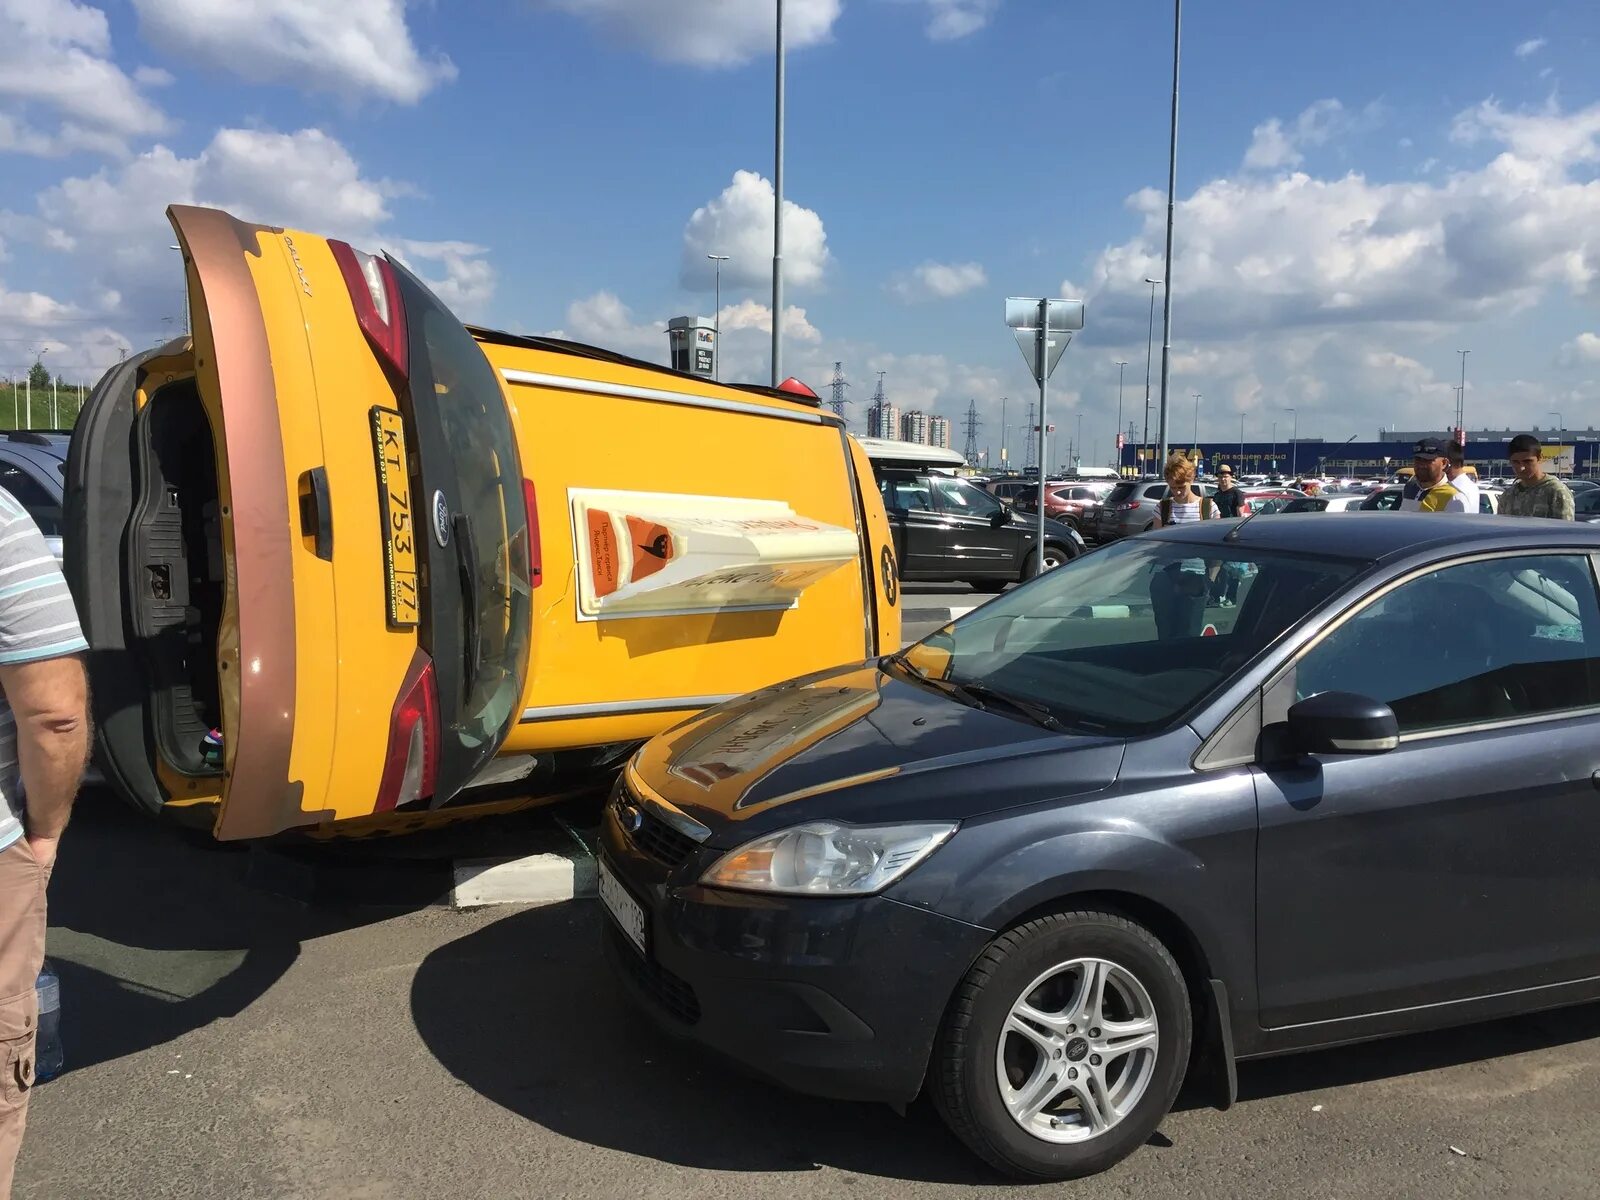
[(971, 422), (875, 415), (838, 384), (1033, 441)]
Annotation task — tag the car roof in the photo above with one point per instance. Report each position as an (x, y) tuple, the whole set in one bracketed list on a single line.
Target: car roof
[(1380, 535)]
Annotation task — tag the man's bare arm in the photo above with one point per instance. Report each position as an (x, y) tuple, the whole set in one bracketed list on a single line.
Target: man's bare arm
[(50, 699)]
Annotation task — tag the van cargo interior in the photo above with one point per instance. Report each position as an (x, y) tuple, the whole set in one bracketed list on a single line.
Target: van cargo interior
[(176, 572)]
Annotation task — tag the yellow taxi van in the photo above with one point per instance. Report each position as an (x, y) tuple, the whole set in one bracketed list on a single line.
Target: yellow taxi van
[(343, 563)]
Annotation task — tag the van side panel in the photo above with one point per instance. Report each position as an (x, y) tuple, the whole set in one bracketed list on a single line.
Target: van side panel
[(640, 668), (880, 544)]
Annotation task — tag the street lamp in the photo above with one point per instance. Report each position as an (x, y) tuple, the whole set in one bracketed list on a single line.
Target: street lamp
[(1077, 446), (716, 321), (1197, 423), (1121, 363), (1149, 338), (1294, 448), (1561, 423), (777, 218), (1461, 404), (1240, 467)]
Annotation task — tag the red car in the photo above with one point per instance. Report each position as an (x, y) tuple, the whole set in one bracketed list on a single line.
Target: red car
[(1065, 501), (1267, 500)]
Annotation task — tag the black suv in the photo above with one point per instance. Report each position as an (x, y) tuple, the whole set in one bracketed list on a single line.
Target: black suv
[(947, 529)]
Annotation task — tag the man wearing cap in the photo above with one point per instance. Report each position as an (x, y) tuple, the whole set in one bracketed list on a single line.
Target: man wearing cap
[(1534, 494), (1428, 490)]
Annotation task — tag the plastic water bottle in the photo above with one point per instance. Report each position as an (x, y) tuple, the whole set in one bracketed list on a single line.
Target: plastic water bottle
[(48, 1056)]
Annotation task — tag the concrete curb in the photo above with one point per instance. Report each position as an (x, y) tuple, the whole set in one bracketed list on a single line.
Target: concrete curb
[(532, 879)]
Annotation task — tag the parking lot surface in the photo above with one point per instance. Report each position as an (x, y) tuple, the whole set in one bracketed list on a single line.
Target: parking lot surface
[(225, 1042)]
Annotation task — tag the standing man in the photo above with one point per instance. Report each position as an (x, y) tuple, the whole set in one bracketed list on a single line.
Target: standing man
[(44, 743), (1428, 490), (1460, 479), (1534, 494), (1228, 502)]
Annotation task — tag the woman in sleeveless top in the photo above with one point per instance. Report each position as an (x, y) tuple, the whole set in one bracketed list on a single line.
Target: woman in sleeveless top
[(1178, 590)]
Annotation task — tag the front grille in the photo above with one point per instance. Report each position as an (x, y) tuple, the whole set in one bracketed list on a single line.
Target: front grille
[(661, 841), (668, 992)]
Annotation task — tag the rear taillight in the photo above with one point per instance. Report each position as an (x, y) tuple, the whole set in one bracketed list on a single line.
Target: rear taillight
[(376, 297), (1127, 506), (535, 547), (411, 764)]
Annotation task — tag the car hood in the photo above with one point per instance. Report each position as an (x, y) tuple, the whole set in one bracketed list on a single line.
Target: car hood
[(860, 745)]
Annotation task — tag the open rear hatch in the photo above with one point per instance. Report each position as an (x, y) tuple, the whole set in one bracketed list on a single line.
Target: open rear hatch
[(166, 605)]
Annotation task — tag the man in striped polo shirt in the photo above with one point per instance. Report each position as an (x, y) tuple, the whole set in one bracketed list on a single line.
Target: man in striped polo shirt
[(44, 744)]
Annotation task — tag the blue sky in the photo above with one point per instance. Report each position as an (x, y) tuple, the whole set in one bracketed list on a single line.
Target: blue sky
[(1363, 188)]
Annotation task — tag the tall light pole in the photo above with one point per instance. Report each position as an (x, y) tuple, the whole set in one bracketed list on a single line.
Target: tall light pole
[(1240, 468), (1077, 445), (1561, 423), (777, 220), (716, 320), (1149, 340), (1274, 447), (1197, 423), (1172, 187), (1294, 447), (1461, 404), (1121, 363)]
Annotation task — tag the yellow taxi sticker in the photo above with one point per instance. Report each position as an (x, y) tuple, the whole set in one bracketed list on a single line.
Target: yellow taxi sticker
[(399, 529)]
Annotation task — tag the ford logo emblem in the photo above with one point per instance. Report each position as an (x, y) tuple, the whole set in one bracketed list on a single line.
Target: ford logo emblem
[(441, 519)]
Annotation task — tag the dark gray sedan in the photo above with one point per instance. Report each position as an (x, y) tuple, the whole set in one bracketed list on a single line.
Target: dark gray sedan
[(1104, 832)]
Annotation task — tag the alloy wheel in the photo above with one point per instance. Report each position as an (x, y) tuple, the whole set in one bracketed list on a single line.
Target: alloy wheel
[(1078, 1050)]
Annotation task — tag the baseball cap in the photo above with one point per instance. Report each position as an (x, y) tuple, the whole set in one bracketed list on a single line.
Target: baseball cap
[(1430, 448)]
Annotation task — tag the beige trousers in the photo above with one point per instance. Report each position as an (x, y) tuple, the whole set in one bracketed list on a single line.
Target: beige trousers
[(22, 925)]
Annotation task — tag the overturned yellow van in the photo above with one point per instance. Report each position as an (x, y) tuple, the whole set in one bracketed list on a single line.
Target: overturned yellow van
[(345, 565)]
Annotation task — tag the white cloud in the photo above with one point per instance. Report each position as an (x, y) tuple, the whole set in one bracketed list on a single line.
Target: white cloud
[(938, 281), (1274, 145), (750, 314), (111, 226), (1299, 251), (1581, 350), (705, 33), (467, 285), (1547, 139), (152, 77), (351, 47), (949, 20), (738, 223), (1529, 48), (56, 63)]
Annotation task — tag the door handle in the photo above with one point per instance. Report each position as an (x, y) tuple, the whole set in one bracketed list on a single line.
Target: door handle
[(316, 511)]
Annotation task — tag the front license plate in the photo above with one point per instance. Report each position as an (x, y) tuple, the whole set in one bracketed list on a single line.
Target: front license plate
[(624, 909), (399, 529)]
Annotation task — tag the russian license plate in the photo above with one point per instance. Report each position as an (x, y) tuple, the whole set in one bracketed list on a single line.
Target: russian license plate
[(624, 909), (399, 527)]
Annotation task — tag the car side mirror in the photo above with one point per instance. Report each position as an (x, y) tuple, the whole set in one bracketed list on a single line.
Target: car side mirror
[(1343, 723), (1001, 518)]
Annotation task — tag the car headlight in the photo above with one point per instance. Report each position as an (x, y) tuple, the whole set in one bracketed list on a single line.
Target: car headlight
[(825, 858)]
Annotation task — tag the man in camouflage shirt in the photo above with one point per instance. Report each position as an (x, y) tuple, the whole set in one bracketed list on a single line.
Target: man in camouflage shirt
[(1535, 494)]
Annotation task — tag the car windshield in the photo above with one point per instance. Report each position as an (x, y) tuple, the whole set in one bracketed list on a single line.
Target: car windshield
[(468, 454), (1125, 640)]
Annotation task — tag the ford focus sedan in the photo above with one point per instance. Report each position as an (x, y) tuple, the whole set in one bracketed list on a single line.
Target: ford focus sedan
[(1099, 836)]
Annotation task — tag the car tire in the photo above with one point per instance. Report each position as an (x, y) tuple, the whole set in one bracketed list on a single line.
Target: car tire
[(1055, 554), (981, 1049)]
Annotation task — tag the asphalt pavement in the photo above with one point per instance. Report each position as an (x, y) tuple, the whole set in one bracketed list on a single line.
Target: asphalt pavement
[(226, 1042)]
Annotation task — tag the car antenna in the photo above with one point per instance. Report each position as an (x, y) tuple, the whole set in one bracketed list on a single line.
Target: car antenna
[(1233, 534)]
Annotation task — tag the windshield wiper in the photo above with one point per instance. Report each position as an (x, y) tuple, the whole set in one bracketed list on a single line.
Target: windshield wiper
[(466, 560), (1037, 713), (980, 696)]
